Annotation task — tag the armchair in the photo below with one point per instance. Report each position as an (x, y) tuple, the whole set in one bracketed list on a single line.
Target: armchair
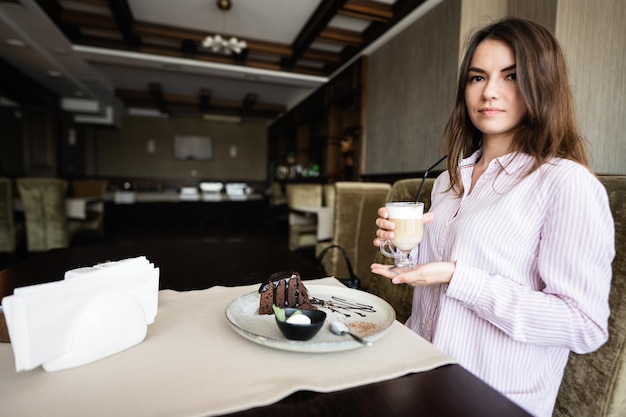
[(356, 206), (302, 228), (45, 212), (595, 384), (92, 189), (7, 223)]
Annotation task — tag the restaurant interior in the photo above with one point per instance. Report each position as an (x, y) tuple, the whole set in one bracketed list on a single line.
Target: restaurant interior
[(126, 125)]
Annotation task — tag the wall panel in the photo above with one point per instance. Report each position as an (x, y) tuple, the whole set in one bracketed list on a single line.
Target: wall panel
[(411, 83), (593, 36), (125, 152)]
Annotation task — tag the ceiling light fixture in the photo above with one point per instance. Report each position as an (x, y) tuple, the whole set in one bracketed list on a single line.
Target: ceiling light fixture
[(219, 44)]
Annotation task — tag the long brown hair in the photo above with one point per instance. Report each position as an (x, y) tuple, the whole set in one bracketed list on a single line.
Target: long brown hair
[(549, 128)]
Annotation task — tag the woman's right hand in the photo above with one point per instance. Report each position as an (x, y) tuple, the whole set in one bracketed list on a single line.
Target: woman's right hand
[(385, 227)]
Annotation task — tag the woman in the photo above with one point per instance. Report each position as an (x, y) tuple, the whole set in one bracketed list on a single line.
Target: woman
[(514, 269)]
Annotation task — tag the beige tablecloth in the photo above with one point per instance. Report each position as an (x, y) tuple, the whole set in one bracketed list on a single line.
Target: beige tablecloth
[(192, 363)]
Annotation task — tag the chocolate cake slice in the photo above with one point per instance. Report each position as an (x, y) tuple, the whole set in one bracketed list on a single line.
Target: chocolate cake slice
[(285, 289)]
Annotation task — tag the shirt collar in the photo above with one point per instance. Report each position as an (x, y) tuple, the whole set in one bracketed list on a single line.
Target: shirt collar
[(511, 163)]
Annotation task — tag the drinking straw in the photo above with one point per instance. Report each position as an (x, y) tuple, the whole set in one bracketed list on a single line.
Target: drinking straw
[(419, 192)]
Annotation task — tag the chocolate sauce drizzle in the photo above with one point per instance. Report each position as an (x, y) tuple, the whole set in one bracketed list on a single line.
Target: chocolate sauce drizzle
[(341, 306)]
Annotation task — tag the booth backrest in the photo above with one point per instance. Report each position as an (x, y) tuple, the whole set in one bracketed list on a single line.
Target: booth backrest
[(594, 384)]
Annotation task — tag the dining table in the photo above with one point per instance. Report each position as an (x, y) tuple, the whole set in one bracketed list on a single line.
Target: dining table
[(195, 362)]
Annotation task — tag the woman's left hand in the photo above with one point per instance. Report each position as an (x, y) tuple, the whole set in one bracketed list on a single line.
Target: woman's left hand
[(425, 274)]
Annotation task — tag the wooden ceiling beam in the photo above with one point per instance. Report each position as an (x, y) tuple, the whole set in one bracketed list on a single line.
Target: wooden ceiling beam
[(205, 102), (146, 29), (124, 19), (401, 8), (362, 16), (310, 32), (167, 32), (341, 36), (270, 48), (368, 10), (89, 20), (322, 56), (111, 43)]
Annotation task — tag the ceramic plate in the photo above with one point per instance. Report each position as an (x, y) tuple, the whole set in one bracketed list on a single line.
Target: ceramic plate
[(367, 315)]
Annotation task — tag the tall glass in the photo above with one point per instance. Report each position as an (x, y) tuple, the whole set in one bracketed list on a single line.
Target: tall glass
[(408, 233)]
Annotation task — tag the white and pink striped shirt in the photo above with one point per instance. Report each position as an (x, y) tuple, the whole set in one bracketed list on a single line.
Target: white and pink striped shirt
[(533, 271)]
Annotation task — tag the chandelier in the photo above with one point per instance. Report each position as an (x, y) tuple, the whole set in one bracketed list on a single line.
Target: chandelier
[(222, 45)]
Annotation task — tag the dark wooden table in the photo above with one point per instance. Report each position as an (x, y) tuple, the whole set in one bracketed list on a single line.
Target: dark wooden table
[(446, 391)]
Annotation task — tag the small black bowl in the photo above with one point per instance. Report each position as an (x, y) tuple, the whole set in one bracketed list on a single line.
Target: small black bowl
[(301, 331)]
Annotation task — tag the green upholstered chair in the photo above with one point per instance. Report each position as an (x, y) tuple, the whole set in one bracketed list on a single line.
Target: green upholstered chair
[(356, 207), (594, 385), (45, 212), (400, 296), (303, 228), (7, 222)]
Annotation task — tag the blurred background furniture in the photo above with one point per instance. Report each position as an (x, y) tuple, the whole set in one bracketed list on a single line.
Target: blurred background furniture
[(328, 194), (303, 226), (94, 192), (356, 209), (94, 188), (8, 239), (45, 213), (278, 195), (595, 384), (400, 296)]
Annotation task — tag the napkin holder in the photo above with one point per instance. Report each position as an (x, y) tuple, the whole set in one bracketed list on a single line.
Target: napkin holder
[(107, 325), (94, 312)]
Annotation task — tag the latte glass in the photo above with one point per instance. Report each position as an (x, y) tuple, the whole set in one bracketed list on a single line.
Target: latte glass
[(408, 232)]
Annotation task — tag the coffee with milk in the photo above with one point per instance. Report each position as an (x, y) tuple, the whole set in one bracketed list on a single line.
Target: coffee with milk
[(409, 227)]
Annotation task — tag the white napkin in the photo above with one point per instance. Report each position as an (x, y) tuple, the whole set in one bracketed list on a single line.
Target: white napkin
[(93, 313)]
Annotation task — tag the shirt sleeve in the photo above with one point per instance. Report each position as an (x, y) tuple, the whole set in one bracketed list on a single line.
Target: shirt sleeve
[(576, 250)]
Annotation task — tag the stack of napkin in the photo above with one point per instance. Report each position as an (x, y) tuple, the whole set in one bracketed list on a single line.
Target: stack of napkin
[(91, 314)]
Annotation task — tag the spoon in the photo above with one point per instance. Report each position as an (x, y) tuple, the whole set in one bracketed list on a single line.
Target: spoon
[(341, 328)]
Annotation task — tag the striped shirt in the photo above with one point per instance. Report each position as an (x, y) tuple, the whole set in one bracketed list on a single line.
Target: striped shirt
[(533, 271)]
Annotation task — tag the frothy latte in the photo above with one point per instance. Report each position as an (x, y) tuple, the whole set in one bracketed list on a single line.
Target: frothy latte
[(409, 229)]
